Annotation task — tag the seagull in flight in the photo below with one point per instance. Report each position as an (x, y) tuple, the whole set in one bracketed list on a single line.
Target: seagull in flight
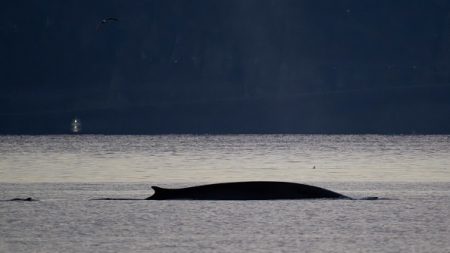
[(105, 21)]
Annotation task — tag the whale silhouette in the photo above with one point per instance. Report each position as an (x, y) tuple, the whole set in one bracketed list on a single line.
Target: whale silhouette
[(21, 199), (253, 190)]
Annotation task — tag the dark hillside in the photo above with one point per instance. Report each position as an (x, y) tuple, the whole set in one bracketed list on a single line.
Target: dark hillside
[(238, 66)]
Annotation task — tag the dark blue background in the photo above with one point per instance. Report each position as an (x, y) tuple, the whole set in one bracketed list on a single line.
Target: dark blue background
[(235, 66)]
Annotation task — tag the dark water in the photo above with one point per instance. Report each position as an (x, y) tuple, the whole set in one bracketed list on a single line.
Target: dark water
[(64, 172)]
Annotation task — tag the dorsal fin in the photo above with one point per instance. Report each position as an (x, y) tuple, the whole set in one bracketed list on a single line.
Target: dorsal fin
[(159, 192), (158, 189)]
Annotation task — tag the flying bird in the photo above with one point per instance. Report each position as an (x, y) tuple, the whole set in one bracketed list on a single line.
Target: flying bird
[(105, 21)]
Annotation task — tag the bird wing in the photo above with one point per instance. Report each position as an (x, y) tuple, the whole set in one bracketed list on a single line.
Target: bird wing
[(104, 21), (112, 19)]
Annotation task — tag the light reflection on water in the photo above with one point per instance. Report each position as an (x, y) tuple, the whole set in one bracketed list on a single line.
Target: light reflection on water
[(409, 217), (212, 158)]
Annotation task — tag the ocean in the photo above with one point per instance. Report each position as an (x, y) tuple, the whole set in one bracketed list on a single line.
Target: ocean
[(410, 173)]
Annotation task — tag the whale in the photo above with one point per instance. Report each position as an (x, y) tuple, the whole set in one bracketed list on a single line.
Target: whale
[(251, 190), (21, 199)]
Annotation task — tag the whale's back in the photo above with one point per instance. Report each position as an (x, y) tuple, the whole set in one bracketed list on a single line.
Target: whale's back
[(256, 190)]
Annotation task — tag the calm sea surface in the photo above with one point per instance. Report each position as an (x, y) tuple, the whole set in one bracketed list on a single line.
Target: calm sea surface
[(410, 173)]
